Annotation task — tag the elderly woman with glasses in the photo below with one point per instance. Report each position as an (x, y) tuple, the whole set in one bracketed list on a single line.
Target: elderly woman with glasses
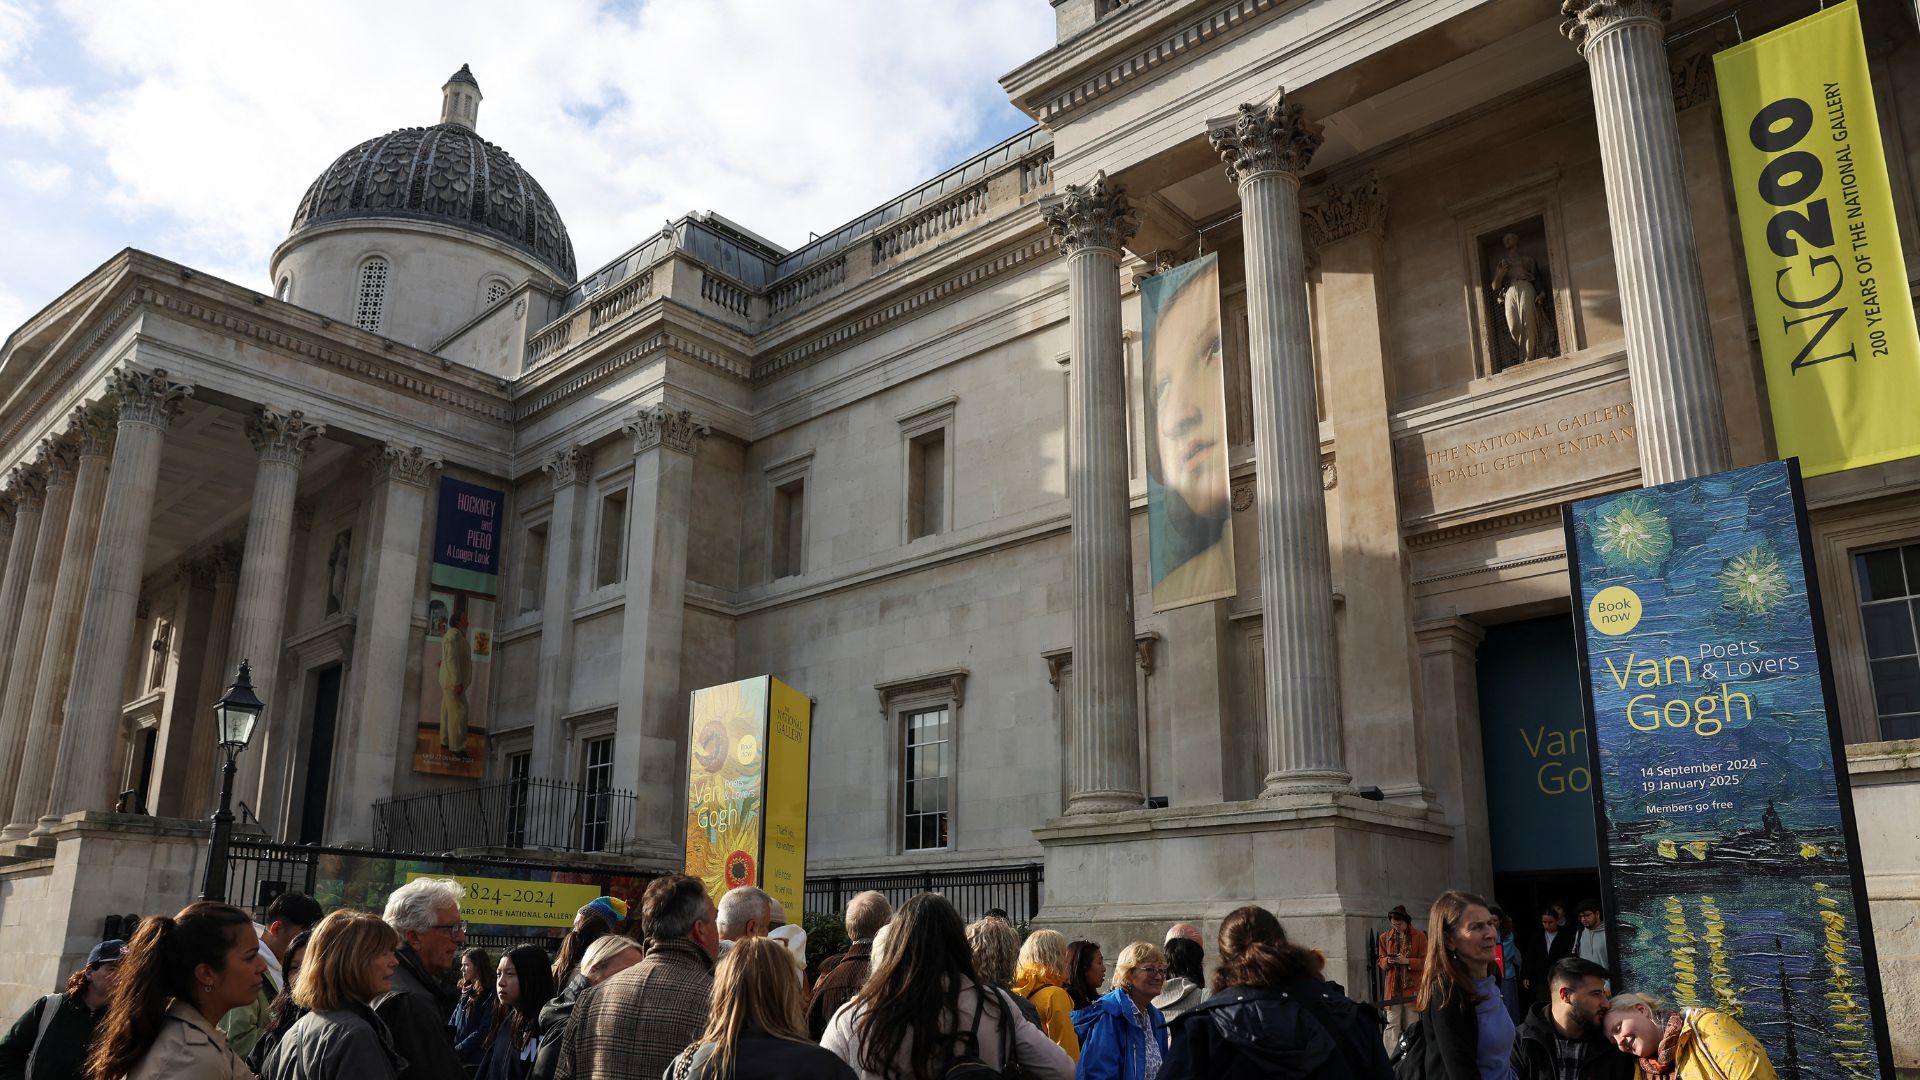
[(1122, 1035)]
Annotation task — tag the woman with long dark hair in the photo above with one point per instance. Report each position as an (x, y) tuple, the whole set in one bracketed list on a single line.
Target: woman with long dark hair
[(284, 1012), (1272, 1015), (523, 986), (921, 1009), (1086, 970), (180, 976), (473, 1012), (1469, 1033), (351, 960)]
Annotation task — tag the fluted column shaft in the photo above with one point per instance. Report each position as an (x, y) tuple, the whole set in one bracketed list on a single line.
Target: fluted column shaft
[(1266, 147), (29, 493), (20, 740), (148, 401), (198, 792), (282, 441), (1679, 423), (46, 712), (568, 469), (1094, 223)]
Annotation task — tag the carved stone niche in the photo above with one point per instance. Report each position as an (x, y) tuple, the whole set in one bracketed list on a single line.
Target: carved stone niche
[(1504, 350), (1529, 209)]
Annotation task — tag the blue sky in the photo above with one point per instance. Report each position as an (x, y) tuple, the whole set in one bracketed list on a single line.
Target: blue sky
[(191, 129)]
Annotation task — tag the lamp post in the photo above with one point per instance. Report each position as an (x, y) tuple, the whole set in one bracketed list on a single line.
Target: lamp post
[(235, 715)]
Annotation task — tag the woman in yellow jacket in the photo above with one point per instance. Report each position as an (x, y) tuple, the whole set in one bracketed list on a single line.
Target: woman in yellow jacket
[(1685, 1044), (1042, 979)]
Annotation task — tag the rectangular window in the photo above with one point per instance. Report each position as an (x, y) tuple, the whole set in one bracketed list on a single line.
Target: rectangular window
[(1890, 614), (610, 560), (789, 528), (927, 484), (533, 567), (926, 778), (597, 780), (519, 770)]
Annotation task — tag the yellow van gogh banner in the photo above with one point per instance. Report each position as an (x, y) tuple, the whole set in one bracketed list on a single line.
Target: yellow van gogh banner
[(1823, 249), (747, 789)]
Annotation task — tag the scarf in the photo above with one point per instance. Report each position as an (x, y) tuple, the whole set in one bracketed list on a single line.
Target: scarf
[(1661, 1064)]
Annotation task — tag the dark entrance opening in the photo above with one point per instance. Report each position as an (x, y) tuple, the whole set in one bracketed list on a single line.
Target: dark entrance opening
[(1533, 734), (326, 713), (143, 778)]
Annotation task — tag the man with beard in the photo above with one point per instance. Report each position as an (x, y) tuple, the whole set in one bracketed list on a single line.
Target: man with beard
[(1565, 1039)]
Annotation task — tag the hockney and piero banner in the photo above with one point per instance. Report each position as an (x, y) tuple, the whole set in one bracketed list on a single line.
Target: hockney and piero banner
[(1189, 499), (1824, 264), (457, 652), (1727, 841), (747, 763)]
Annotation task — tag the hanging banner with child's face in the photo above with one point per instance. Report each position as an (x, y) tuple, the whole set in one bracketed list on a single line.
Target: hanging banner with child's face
[(1727, 842), (1831, 304), (1189, 504), (456, 657)]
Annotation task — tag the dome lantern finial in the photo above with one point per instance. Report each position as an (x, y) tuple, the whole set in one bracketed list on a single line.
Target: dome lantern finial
[(460, 99)]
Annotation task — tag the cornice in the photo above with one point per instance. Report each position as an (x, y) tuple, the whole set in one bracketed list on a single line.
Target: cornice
[(588, 374)]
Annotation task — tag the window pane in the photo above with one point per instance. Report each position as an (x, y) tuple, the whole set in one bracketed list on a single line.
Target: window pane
[(1896, 686), (1912, 553), (1889, 629), (1880, 576), (1900, 727)]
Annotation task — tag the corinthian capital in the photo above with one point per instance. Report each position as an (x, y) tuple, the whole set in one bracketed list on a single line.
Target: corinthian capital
[(1585, 20), (92, 427), (1091, 215), (658, 425), (1343, 212), (28, 483), (1264, 136), (148, 397), (404, 464), (568, 467), (57, 458), (283, 437)]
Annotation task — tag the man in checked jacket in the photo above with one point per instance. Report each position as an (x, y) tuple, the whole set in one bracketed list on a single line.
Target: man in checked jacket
[(636, 1023)]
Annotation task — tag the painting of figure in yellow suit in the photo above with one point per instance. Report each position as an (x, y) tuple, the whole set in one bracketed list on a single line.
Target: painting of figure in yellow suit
[(455, 662)]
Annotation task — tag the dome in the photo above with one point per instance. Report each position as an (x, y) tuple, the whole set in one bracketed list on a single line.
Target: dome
[(446, 174)]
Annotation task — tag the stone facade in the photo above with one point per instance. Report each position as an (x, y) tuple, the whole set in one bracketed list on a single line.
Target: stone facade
[(712, 448)]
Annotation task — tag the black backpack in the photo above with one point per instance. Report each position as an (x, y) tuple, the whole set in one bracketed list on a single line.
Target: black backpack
[(1409, 1058), (968, 1064)]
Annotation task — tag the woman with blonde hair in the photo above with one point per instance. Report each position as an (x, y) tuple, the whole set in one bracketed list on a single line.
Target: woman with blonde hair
[(180, 976), (1469, 1033), (350, 961), (1687, 1043), (606, 957), (1122, 1035), (757, 1023), (1041, 978)]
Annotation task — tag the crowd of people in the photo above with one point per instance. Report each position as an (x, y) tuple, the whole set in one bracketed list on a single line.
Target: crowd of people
[(684, 989)]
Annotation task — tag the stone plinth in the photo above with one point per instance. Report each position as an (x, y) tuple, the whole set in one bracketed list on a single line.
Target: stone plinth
[(1328, 864)]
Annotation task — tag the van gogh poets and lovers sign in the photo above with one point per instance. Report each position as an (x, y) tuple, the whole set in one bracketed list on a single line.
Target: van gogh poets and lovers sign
[(1727, 843)]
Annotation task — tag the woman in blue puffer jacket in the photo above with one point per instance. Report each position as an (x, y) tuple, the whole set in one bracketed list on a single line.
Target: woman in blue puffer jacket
[(1122, 1036)]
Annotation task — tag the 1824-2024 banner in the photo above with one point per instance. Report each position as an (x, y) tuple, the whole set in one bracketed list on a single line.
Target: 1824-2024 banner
[(1828, 279), (1727, 841)]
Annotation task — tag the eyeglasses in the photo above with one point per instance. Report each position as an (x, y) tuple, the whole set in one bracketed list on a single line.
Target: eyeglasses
[(450, 927), (1151, 971)]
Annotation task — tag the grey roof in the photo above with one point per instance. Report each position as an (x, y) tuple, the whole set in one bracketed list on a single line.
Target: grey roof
[(445, 174), (465, 75)]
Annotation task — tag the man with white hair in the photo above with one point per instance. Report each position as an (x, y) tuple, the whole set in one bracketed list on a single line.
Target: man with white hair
[(426, 914), (744, 912), (867, 915)]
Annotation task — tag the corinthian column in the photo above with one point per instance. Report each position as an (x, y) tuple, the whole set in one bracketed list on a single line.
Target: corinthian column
[(93, 427), (148, 402), (1678, 421), (1094, 222), (52, 476), (26, 493), (281, 440), (1266, 146), (569, 469)]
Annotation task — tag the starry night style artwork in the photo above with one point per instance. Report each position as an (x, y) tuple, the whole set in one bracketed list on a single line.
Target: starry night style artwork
[(1725, 834)]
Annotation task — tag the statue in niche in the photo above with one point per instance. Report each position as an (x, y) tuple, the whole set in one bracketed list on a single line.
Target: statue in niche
[(337, 571), (1517, 294)]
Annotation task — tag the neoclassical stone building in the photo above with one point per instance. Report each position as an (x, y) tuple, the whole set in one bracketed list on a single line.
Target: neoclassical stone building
[(902, 469)]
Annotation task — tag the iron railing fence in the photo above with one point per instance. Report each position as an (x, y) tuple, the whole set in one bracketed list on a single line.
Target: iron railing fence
[(550, 815), (973, 891)]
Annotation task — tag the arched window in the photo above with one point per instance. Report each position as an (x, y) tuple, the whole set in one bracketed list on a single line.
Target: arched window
[(496, 292), (284, 289), (371, 305)]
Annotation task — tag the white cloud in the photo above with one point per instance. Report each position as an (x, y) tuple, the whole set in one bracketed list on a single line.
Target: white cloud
[(44, 177), (198, 126)]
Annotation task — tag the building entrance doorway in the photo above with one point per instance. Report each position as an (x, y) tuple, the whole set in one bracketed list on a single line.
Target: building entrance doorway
[(1540, 812), (320, 731)]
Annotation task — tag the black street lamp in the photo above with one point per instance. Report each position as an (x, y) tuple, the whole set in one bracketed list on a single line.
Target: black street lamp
[(235, 715)]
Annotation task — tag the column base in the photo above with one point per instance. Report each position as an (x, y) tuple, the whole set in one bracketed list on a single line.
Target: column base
[(1307, 782), (1104, 802), (1318, 861)]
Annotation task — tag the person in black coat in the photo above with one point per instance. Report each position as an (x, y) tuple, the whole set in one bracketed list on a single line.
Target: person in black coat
[(1571, 1026), (426, 914), (57, 1045), (1467, 1032), (1554, 944), (1272, 1015)]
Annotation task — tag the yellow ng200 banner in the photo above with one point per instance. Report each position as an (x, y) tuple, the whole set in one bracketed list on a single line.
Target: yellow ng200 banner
[(1823, 249)]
